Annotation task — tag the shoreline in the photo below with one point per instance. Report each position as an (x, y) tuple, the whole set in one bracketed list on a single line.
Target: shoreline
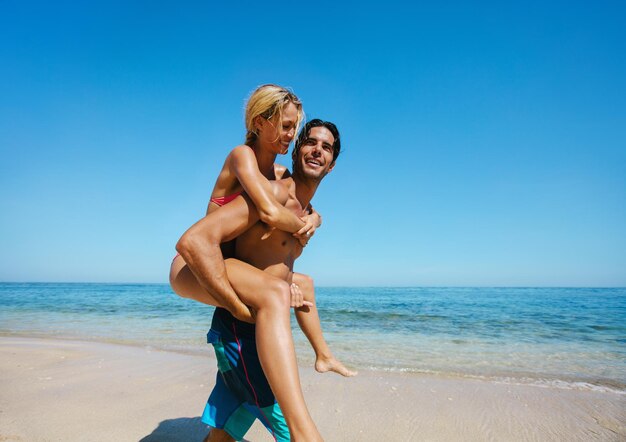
[(521, 379), (58, 389)]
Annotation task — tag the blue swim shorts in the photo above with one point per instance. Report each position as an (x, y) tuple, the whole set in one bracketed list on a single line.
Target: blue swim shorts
[(242, 393)]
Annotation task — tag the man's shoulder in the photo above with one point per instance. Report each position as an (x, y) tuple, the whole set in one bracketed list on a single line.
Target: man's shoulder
[(281, 171)]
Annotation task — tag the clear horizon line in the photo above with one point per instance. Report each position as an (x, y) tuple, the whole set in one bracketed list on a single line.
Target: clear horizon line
[(343, 286)]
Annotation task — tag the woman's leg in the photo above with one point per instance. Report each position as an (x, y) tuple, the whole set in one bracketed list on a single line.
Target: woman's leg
[(309, 321), (270, 297), (185, 284)]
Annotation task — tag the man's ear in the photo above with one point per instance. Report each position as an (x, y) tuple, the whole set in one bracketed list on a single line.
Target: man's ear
[(332, 166)]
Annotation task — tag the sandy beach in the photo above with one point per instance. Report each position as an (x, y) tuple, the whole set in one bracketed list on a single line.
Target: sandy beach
[(59, 390)]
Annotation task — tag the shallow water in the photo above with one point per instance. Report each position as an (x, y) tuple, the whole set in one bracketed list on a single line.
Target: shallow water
[(566, 337)]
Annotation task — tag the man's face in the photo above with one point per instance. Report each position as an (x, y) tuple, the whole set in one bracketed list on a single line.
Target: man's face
[(315, 158)]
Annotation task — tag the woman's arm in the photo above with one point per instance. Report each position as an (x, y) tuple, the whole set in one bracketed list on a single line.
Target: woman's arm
[(244, 166)]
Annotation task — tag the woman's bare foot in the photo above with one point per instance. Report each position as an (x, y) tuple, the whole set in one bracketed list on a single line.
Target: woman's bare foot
[(324, 364)]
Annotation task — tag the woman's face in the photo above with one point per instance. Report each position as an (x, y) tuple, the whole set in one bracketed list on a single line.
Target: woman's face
[(276, 135)]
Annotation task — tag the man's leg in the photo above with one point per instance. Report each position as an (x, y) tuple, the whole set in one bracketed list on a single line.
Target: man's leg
[(225, 410), (218, 435), (242, 393), (309, 321), (270, 297)]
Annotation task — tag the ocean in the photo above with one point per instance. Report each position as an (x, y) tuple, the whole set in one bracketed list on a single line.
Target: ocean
[(559, 337)]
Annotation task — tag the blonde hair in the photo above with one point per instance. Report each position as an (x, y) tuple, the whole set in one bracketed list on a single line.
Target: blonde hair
[(266, 101)]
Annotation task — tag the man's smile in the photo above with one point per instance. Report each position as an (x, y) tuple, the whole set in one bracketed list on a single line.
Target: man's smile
[(313, 162)]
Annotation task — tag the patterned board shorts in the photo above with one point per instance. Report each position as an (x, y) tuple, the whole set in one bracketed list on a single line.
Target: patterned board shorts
[(242, 393)]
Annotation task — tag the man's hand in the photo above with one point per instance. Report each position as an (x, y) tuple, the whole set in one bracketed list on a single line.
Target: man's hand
[(304, 234), (297, 298), (311, 223)]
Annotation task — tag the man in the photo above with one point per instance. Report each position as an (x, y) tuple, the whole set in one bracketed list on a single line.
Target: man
[(242, 393)]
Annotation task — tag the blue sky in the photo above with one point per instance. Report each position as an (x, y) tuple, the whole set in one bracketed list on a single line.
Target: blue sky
[(484, 143)]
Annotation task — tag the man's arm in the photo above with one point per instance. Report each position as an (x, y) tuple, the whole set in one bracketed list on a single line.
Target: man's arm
[(200, 248)]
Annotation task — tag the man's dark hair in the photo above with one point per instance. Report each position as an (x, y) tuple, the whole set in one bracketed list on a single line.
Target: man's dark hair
[(306, 131)]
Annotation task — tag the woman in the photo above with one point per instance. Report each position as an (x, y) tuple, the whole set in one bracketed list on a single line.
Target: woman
[(272, 118)]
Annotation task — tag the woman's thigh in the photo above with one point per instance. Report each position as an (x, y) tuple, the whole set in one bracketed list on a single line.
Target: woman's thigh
[(255, 287), (185, 284)]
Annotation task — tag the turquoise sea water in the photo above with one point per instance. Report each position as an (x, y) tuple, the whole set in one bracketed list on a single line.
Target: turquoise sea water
[(564, 337)]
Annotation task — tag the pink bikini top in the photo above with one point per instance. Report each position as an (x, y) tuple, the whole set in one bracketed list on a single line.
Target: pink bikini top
[(223, 200)]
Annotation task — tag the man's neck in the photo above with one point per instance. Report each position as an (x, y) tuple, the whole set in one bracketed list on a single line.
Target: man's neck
[(305, 189)]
